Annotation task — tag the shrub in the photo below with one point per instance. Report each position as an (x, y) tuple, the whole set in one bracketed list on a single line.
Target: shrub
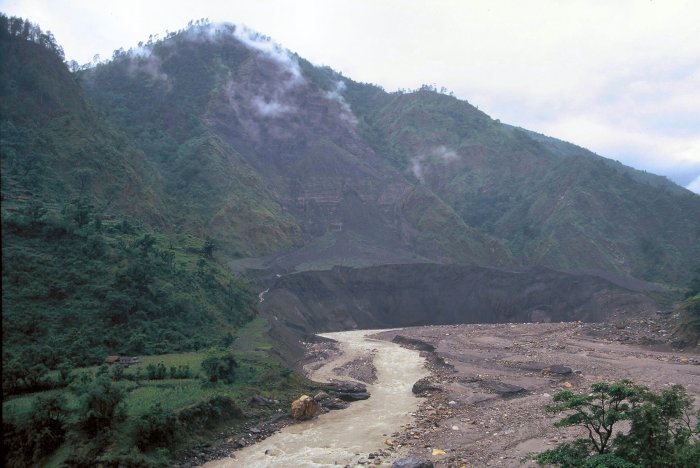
[(101, 405), (219, 366), (156, 429)]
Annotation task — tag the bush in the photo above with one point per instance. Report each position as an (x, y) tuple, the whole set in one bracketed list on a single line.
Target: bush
[(156, 429), (180, 372), (210, 412), (47, 424), (156, 372), (219, 366), (101, 405)]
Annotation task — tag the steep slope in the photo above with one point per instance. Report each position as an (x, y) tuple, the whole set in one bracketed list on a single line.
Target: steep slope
[(55, 146), (220, 133), (554, 204), (303, 174), (84, 267), (300, 304)]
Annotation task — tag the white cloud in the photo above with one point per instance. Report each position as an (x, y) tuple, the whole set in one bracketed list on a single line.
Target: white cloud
[(438, 155), (694, 186), (336, 94), (274, 51), (270, 107)]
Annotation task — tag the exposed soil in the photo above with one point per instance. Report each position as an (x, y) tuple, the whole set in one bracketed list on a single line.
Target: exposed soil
[(489, 384)]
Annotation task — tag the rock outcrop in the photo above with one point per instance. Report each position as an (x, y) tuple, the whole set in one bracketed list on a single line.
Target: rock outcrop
[(347, 391)]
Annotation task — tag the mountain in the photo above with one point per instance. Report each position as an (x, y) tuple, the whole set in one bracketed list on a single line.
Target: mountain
[(215, 137), (88, 266), (294, 166), (219, 132), (265, 161)]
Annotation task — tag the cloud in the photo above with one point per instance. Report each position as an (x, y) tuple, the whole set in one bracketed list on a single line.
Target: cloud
[(141, 60), (438, 155), (270, 108), (272, 50), (638, 147), (694, 186), (336, 95)]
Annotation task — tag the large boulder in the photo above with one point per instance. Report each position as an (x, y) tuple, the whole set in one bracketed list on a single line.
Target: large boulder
[(304, 408)]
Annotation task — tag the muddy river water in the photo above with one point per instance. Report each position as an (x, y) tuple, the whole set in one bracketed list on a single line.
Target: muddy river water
[(341, 437)]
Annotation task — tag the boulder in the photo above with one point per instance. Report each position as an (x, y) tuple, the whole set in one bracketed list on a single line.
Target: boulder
[(425, 385), (352, 396), (502, 388), (546, 369), (304, 408), (413, 343), (335, 404), (347, 391), (412, 462), (345, 386)]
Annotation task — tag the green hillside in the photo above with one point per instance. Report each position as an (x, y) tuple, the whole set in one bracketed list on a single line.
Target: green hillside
[(264, 157), (551, 203)]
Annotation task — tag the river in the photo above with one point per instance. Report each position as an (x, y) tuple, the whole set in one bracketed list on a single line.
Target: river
[(342, 437)]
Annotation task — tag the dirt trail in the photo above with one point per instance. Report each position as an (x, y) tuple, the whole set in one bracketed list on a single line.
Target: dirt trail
[(344, 437), (490, 389)]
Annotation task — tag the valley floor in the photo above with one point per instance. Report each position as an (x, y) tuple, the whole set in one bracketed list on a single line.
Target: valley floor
[(485, 400)]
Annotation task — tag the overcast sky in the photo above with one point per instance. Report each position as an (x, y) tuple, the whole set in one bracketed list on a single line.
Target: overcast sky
[(621, 77)]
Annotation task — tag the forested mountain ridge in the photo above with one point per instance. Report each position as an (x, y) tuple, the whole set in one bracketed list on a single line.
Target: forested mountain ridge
[(297, 142), (432, 177), (232, 138)]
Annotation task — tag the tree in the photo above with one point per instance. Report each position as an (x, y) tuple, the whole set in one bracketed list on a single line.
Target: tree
[(47, 421), (660, 433), (599, 410), (101, 404), (156, 428)]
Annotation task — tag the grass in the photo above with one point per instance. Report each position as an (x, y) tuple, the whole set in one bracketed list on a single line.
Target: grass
[(257, 374), (191, 359)]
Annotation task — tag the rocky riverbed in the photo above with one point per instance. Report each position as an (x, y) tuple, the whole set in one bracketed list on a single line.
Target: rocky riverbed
[(483, 403)]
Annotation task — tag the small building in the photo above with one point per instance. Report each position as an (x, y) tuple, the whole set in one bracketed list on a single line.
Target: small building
[(128, 361), (125, 361)]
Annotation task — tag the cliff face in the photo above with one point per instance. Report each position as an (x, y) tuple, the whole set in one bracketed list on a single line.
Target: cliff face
[(427, 294)]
